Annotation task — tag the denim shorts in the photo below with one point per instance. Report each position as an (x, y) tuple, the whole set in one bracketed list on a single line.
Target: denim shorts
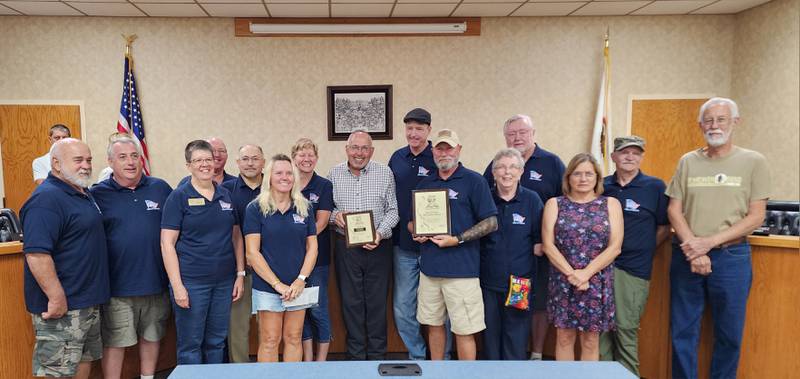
[(271, 302)]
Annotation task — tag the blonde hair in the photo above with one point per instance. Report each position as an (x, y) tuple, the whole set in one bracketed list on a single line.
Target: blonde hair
[(265, 200), (573, 164), (302, 144)]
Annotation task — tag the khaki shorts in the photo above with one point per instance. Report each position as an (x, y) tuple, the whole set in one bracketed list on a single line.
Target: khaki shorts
[(458, 298), (63, 343), (125, 319)]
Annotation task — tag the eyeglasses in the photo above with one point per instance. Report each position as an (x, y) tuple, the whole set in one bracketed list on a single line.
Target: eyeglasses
[(506, 168), (587, 175), (202, 161), (356, 148), (721, 120)]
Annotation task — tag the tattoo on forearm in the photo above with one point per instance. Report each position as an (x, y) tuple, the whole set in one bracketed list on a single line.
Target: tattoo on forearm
[(480, 229)]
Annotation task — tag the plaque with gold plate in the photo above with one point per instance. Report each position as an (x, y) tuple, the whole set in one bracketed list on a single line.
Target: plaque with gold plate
[(431, 212), (359, 228)]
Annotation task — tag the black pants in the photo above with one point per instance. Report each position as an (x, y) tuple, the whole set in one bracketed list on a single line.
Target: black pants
[(363, 277), (507, 329)]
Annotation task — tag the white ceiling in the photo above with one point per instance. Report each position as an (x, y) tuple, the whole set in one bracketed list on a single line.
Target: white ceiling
[(370, 8)]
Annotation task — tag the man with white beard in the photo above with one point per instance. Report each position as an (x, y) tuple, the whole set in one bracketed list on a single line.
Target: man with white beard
[(66, 267), (718, 196)]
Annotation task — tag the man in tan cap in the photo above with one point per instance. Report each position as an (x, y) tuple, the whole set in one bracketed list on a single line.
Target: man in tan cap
[(450, 264), (644, 208)]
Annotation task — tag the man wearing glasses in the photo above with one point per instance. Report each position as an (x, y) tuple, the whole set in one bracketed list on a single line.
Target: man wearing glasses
[(718, 196), (363, 273)]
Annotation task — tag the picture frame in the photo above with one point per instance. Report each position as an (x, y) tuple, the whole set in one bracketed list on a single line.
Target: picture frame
[(364, 106), (359, 228)]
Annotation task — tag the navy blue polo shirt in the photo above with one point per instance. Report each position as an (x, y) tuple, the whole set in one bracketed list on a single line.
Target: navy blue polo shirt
[(241, 195), (283, 242), (644, 208), (205, 247), (225, 178), (67, 225), (132, 220), (543, 173), (470, 203), (319, 192), (408, 170), (509, 249)]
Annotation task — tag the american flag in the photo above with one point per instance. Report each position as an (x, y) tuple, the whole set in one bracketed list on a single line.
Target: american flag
[(130, 114)]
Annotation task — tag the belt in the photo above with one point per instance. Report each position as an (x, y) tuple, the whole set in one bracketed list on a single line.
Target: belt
[(731, 243)]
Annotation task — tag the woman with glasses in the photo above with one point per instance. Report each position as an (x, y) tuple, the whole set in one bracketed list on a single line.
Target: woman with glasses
[(281, 237), (581, 235), (204, 258)]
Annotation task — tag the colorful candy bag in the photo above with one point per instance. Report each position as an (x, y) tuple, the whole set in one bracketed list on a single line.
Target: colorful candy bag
[(519, 289)]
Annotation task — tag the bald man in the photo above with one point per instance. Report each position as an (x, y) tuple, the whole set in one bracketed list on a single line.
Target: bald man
[(66, 267), (220, 159)]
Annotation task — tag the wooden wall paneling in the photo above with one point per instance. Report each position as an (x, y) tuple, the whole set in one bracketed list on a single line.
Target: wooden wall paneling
[(654, 360), (16, 338), (23, 135)]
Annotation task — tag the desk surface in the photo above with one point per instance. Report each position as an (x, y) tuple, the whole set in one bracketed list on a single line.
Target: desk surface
[(430, 369)]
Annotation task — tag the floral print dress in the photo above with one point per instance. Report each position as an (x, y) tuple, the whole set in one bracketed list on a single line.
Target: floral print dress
[(581, 233)]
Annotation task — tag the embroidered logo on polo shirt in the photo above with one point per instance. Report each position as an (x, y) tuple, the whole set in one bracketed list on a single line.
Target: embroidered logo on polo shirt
[(631, 206), (151, 205), (536, 176), (299, 219), (225, 206), (314, 198), (453, 194), (517, 219), (422, 171)]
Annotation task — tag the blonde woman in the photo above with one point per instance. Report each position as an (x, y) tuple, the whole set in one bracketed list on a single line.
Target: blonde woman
[(581, 235), (281, 239)]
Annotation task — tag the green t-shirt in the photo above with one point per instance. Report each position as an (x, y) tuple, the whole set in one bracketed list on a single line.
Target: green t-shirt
[(716, 193)]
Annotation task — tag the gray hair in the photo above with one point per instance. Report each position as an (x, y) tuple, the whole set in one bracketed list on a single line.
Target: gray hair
[(525, 118), (123, 139), (508, 153), (717, 101)]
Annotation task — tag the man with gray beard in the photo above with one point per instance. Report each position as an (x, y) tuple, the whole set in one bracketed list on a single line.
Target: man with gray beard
[(718, 196), (66, 267), (449, 264)]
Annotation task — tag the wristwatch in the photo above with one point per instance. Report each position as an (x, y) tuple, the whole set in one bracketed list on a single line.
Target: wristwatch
[(460, 239), (241, 273), (302, 277)]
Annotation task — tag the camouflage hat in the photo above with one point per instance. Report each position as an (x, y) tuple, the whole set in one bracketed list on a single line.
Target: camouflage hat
[(623, 142)]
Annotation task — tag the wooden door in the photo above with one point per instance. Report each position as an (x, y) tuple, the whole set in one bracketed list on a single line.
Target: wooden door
[(23, 135), (670, 129)]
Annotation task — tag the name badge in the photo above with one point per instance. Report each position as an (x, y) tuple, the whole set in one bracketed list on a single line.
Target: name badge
[(197, 201)]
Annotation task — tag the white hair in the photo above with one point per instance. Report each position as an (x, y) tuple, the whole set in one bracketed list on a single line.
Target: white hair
[(525, 119), (509, 153), (717, 101), (122, 139)]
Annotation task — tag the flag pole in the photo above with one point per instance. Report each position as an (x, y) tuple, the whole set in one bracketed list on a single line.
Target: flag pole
[(128, 42)]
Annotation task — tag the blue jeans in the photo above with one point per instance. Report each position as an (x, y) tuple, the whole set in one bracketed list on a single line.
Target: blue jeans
[(406, 283), (318, 320), (201, 329), (726, 290)]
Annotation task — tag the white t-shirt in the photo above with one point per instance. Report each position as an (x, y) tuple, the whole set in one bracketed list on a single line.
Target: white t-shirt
[(41, 167)]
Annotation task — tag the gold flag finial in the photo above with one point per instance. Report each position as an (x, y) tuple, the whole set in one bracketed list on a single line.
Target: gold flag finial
[(606, 37), (128, 42)]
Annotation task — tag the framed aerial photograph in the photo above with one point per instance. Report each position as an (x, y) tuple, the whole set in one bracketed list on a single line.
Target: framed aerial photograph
[(359, 107)]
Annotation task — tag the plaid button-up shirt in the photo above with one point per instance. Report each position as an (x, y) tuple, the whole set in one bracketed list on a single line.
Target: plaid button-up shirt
[(372, 190)]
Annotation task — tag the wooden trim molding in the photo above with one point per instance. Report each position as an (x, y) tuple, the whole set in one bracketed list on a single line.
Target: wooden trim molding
[(242, 26)]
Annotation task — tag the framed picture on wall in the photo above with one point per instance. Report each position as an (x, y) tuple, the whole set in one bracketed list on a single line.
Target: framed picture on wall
[(359, 107)]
